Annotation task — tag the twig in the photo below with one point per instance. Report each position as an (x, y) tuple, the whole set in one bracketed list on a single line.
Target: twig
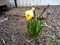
[(3, 19), (3, 41)]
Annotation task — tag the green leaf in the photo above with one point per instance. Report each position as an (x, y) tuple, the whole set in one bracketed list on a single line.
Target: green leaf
[(44, 10), (40, 27), (34, 25), (29, 26)]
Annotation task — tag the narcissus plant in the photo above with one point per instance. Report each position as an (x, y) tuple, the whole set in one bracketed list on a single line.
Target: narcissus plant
[(34, 24)]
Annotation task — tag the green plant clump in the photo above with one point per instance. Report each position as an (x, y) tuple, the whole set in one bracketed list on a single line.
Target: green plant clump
[(34, 23)]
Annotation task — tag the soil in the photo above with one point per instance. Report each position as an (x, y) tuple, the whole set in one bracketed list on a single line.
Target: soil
[(13, 30)]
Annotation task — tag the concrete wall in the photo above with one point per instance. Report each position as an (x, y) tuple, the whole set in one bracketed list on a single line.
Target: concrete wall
[(10, 3), (34, 2), (2, 2)]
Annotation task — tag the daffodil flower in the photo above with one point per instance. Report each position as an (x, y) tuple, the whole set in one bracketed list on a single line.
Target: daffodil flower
[(29, 14)]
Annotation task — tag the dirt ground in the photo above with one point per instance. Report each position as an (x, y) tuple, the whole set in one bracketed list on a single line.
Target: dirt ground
[(13, 29)]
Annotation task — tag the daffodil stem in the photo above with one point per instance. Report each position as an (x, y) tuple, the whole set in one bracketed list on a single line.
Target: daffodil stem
[(34, 14)]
